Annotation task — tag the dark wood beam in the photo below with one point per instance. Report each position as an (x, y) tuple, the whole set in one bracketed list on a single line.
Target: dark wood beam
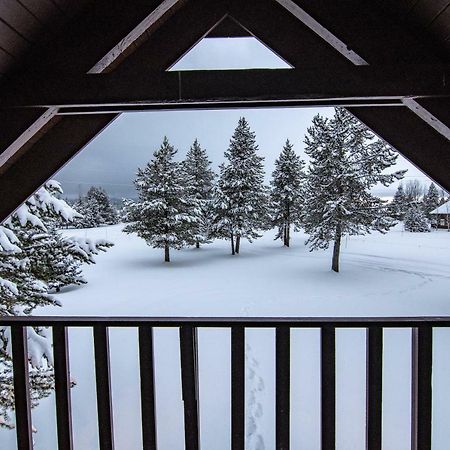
[(288, 37), (137, 35), (372, 33), (15, 122), (54, 149), (324, 33), (228, 28), (33, 122), (421, 144), (169, 43), (364, 83), (434, 111)]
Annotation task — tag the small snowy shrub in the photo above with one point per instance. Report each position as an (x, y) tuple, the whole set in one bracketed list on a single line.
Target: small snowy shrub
[(416, 221)]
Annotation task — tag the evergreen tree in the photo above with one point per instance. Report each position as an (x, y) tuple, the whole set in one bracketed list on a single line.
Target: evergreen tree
[(430, 200), (96, 209), (287, 192), (166, 214), (345, 162), (416, 220), (32, 262), (199, 181), (399, 204), (240, 197)]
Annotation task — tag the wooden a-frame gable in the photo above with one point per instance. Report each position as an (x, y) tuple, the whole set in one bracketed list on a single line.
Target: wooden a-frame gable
[(112, 59)]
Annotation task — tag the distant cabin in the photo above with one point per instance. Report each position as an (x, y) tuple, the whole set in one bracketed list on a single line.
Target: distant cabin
[(440, 216)]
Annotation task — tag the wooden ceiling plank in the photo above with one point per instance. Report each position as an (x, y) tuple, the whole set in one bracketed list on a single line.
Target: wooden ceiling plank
[(6, 61), (19, 18), (11, 41), (425, 11), (43, 10), (440, 27), (56, 148), (422, 145)]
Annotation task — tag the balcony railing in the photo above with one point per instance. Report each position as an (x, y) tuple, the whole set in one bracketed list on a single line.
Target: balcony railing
[(422, 352)]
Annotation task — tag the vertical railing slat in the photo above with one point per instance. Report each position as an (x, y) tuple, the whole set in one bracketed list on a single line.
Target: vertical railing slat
[(189, 385), (21, 387), (147, 376), (62, 388), (237, 388), (103, 386), (374, 387), (282, 387), (421, 395), (328, 388)]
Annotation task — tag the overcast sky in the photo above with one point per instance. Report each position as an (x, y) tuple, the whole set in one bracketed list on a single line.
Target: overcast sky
[(111, 160)]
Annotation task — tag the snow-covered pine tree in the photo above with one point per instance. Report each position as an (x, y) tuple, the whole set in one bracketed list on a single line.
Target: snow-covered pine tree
[(399, 205), (240, 197), (96, 209), (53, 258), (430, 200), (166, 214), (416, 220), (287, 192), (26, 277), (346, 160), (199, 182)]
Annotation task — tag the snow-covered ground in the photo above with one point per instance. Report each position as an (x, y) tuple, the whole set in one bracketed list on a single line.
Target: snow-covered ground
[(398, 274)]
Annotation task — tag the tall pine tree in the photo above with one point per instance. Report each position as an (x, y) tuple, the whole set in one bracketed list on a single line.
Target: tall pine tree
[(346, 161), (240, 197), (199, 180), (287, 192), (34, 259), (166, 214), (430, 200), (399, 204)]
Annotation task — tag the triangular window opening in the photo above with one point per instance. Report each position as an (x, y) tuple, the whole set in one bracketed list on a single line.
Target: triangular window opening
[(229, 53)]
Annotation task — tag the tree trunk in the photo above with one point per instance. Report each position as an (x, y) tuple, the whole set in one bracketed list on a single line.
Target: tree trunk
[(166, 253), (197, 244), (232, 244), (238, 243), (288, 234), (337, 248)]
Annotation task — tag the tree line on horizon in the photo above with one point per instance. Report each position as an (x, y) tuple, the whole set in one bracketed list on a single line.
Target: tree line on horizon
[(413, 204), (185, 204)]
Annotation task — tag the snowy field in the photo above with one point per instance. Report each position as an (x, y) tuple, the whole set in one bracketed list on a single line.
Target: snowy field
[(398, 274)]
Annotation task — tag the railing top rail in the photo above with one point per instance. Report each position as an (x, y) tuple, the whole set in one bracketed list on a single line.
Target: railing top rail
[(226, 322)]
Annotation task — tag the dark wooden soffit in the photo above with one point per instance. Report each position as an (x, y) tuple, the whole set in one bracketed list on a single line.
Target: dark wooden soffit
[(51, 152), (412, 137)]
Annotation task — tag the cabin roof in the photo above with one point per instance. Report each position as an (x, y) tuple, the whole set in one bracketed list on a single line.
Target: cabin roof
[(443, 209), (68, 69)]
